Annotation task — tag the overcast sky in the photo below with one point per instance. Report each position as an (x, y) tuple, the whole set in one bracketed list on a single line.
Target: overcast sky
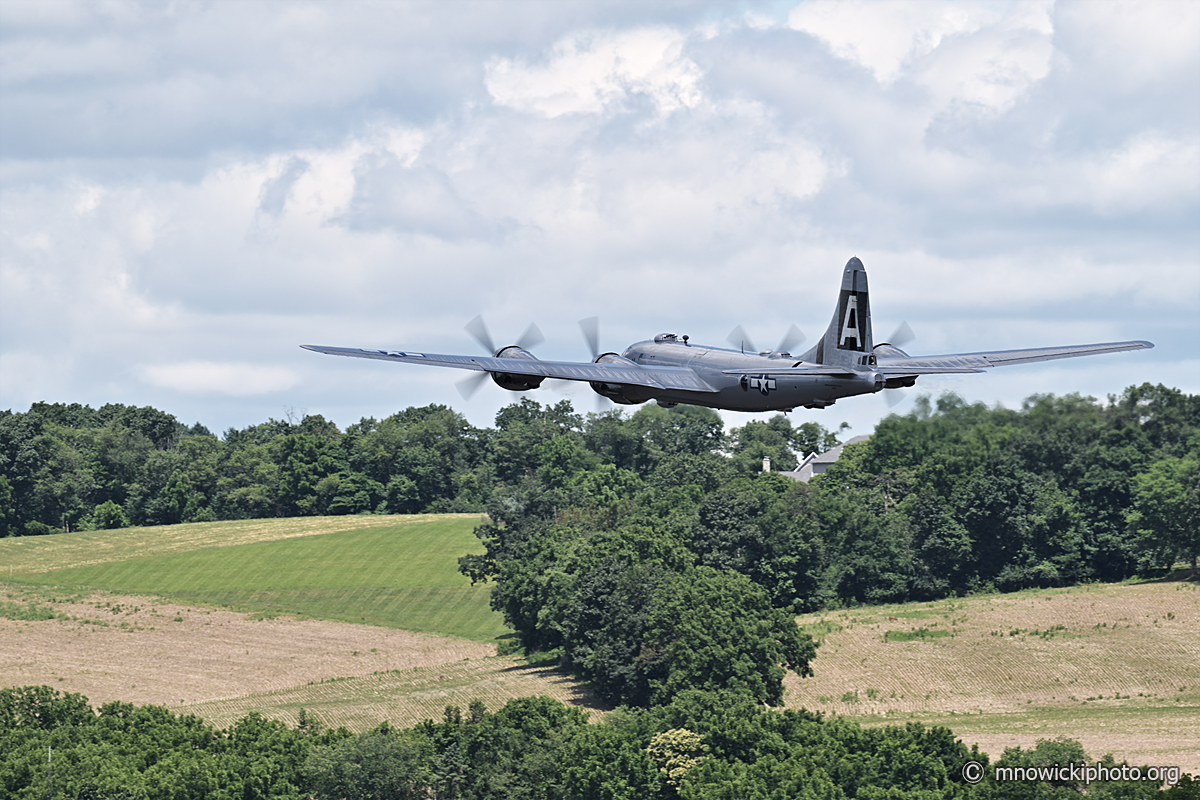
[(190, 190)]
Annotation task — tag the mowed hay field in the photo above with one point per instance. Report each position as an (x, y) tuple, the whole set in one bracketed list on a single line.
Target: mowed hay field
[(398, 572), (1115, 666), (221, 619)]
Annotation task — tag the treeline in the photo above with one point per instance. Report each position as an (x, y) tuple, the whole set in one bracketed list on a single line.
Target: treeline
[(70, 467), (701, 746), (689, 576)]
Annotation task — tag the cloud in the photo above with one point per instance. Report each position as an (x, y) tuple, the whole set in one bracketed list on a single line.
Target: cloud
[(190, 191), (207, 377), (1145, 173), (886, 36), (588, 73), (275, 191)]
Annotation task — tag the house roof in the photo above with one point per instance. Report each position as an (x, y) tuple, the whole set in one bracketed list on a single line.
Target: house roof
[(816, 463)]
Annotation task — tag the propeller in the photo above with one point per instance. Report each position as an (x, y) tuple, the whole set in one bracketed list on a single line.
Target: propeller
[(900, 337), (478, 329), (479, 332), (591, 334), (793, 337), (739, 339)]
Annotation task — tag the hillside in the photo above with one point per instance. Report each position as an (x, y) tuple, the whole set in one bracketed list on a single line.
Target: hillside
[(1116, 666), (395, 571), (224, 618)]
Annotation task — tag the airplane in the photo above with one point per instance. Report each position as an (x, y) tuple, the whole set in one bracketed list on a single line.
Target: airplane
[(669, 369)]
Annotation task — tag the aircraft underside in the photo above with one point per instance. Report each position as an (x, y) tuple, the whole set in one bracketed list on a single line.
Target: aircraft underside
[(754, 393)]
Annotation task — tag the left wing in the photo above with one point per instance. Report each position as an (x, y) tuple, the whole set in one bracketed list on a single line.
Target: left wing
[(680, 378), (973, 362)]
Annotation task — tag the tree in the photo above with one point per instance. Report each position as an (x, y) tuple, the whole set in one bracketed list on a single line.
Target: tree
[(676, 752), (778, 440), (384, 764), (1166, 511), (108, 515), (713, 630)]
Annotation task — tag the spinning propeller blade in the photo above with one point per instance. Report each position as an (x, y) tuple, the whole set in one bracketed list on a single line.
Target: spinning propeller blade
[(793, 337), (902, 335), (738, 338), (479, 332), (591, 334), (467, 387)]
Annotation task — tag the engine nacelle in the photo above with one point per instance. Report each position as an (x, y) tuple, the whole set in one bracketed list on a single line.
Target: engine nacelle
[(885, 350), (622, 393), (512, 381)]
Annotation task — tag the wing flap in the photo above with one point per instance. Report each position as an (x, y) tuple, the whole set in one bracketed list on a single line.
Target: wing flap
[(845, 372), (814, 369), (679, 378)]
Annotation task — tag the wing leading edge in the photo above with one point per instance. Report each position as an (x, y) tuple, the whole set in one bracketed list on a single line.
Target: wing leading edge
[(680, 378), (964, 362)]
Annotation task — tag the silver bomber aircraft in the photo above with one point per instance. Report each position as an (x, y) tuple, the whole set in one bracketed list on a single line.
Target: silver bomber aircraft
[(669, 369)]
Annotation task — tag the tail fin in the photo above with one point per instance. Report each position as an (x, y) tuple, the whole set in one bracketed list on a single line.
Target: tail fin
[(847, 341)]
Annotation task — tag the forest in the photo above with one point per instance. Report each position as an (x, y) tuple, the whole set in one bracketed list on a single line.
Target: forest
[(701, 746), (648, 554)]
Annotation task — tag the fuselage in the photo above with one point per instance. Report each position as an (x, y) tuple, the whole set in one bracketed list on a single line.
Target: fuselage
[(741, 392)]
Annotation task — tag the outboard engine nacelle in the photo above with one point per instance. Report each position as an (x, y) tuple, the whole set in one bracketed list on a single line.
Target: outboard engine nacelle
[(514, 382), (621, 393)]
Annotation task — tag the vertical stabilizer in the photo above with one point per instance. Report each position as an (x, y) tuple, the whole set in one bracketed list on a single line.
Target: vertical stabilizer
[(848, 339)]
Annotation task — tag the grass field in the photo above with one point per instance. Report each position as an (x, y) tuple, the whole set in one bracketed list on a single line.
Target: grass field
[(398, 572), (1115, 666)]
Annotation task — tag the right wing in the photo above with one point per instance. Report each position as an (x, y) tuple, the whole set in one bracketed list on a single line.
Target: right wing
[(951, 362), (680, 378)]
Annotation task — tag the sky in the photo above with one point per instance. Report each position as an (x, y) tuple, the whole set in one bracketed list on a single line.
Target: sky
[(191, 190)]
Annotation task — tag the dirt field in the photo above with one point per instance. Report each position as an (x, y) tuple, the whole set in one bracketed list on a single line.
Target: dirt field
[(1116, 667), (221, 664)]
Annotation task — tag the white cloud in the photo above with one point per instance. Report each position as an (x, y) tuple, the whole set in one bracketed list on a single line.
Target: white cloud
[(886, 35), (663, 172), (981, 52), (1147, 172), (238, 379), (1127, 43), (991, 68), (590, 73)]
